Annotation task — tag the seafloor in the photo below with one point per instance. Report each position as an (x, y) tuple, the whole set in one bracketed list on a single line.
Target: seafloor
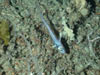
[(26, 48)]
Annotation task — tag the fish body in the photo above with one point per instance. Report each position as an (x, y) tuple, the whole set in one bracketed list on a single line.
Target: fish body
[(54, 37)]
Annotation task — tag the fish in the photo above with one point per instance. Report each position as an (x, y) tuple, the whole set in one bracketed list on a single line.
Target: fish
[(56, 40)]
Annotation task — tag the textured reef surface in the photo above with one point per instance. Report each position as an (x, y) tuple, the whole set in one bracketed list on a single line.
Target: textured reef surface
[(27, 48)]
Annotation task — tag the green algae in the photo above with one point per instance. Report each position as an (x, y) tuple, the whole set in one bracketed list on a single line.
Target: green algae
[(4, 31)]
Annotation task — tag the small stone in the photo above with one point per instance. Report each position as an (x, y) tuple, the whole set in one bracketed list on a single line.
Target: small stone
[(25, 13), (84, 12)]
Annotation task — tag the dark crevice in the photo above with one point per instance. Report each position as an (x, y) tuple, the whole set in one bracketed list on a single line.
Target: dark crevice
[(75, 30), (65, 45), (60, 1), (3, 73), (1, 68), (93, 5), (78, 24), (5, 48), (12, 2)]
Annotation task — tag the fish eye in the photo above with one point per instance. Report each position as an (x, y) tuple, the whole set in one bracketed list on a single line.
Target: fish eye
[(61, 49)]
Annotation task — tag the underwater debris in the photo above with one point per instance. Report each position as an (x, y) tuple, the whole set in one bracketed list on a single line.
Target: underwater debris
[(4, 31)]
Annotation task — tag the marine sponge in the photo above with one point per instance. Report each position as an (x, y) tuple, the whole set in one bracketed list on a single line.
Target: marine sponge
[(4, 31)]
